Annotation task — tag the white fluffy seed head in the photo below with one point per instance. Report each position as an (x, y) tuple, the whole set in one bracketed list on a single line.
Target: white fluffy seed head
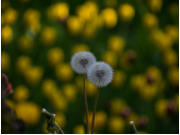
[(100, 74), (81, 61)]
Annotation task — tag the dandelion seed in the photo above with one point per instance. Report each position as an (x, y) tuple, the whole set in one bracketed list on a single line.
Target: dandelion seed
[(81, 61), (100, 74)]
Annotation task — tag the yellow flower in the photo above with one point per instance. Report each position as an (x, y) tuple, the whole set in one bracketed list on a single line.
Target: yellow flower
[(60, 119), (33, 75), (5, 61), (87, 11), (155, 5), (110, 17), (79, 129), (59, 11), (21, 93), (25, 42), (150, 21), (148, 92), (116, 125), (69, 92), (173, 32), (173, 76), (74, 25), (28, 112), (49, 87), (80, 47), (126, 12), (10, 16), (116, 43), (117, 105), (118, 78), (23, 63), (48, 35), (64, 72), (55, 56), (154, 73), (100, 120), (138, 82), (160, 107), (58, 100), (6, 34), (110, 57), (32, 19), (91, 89), (161, 39), (170, 57)]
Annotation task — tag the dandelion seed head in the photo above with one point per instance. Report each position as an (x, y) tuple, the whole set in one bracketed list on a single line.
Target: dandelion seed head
[(81, 61), (100, 74)]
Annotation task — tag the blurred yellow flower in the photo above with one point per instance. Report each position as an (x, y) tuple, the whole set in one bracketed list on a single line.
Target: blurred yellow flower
[(48, 35), (21, 93), (74, 25), (126, 12), (91, 89), (64, 72), (25, 42), (161, 39), (32, 19), (116, 125), (6, 34), (170, 57), (160, 107), (173, 76), (60, 119), (23, 63), (87, 11), (155, 5), (118, 78), (110, 57), (117, 105), (80, 47), (55, 56), (58, 100), (154, 73), (100, 120), (173, 32), (48, 87), (10, 16), (5, 61), (138, 82), (110, 17), (70, 92), (33, 75), (116, 43), (79, 129), (148, 92), (150, 21), (59, 11), (28, 112)]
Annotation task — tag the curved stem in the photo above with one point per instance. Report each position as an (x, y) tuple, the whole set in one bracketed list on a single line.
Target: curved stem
[(94, 112), (85, 103)]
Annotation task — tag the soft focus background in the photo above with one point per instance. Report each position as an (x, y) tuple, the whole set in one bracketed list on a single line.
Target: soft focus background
[(138, 38)]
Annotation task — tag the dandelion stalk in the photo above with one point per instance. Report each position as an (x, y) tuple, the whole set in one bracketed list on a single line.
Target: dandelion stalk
[(52, 126), (94, 112), (133, 127), (85, 102)]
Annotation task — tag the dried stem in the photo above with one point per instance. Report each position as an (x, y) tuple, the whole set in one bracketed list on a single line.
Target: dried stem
[(85, 103), (94, 112)]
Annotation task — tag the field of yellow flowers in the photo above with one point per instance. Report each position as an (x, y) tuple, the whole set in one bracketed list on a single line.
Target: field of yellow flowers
[(138, 38)]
